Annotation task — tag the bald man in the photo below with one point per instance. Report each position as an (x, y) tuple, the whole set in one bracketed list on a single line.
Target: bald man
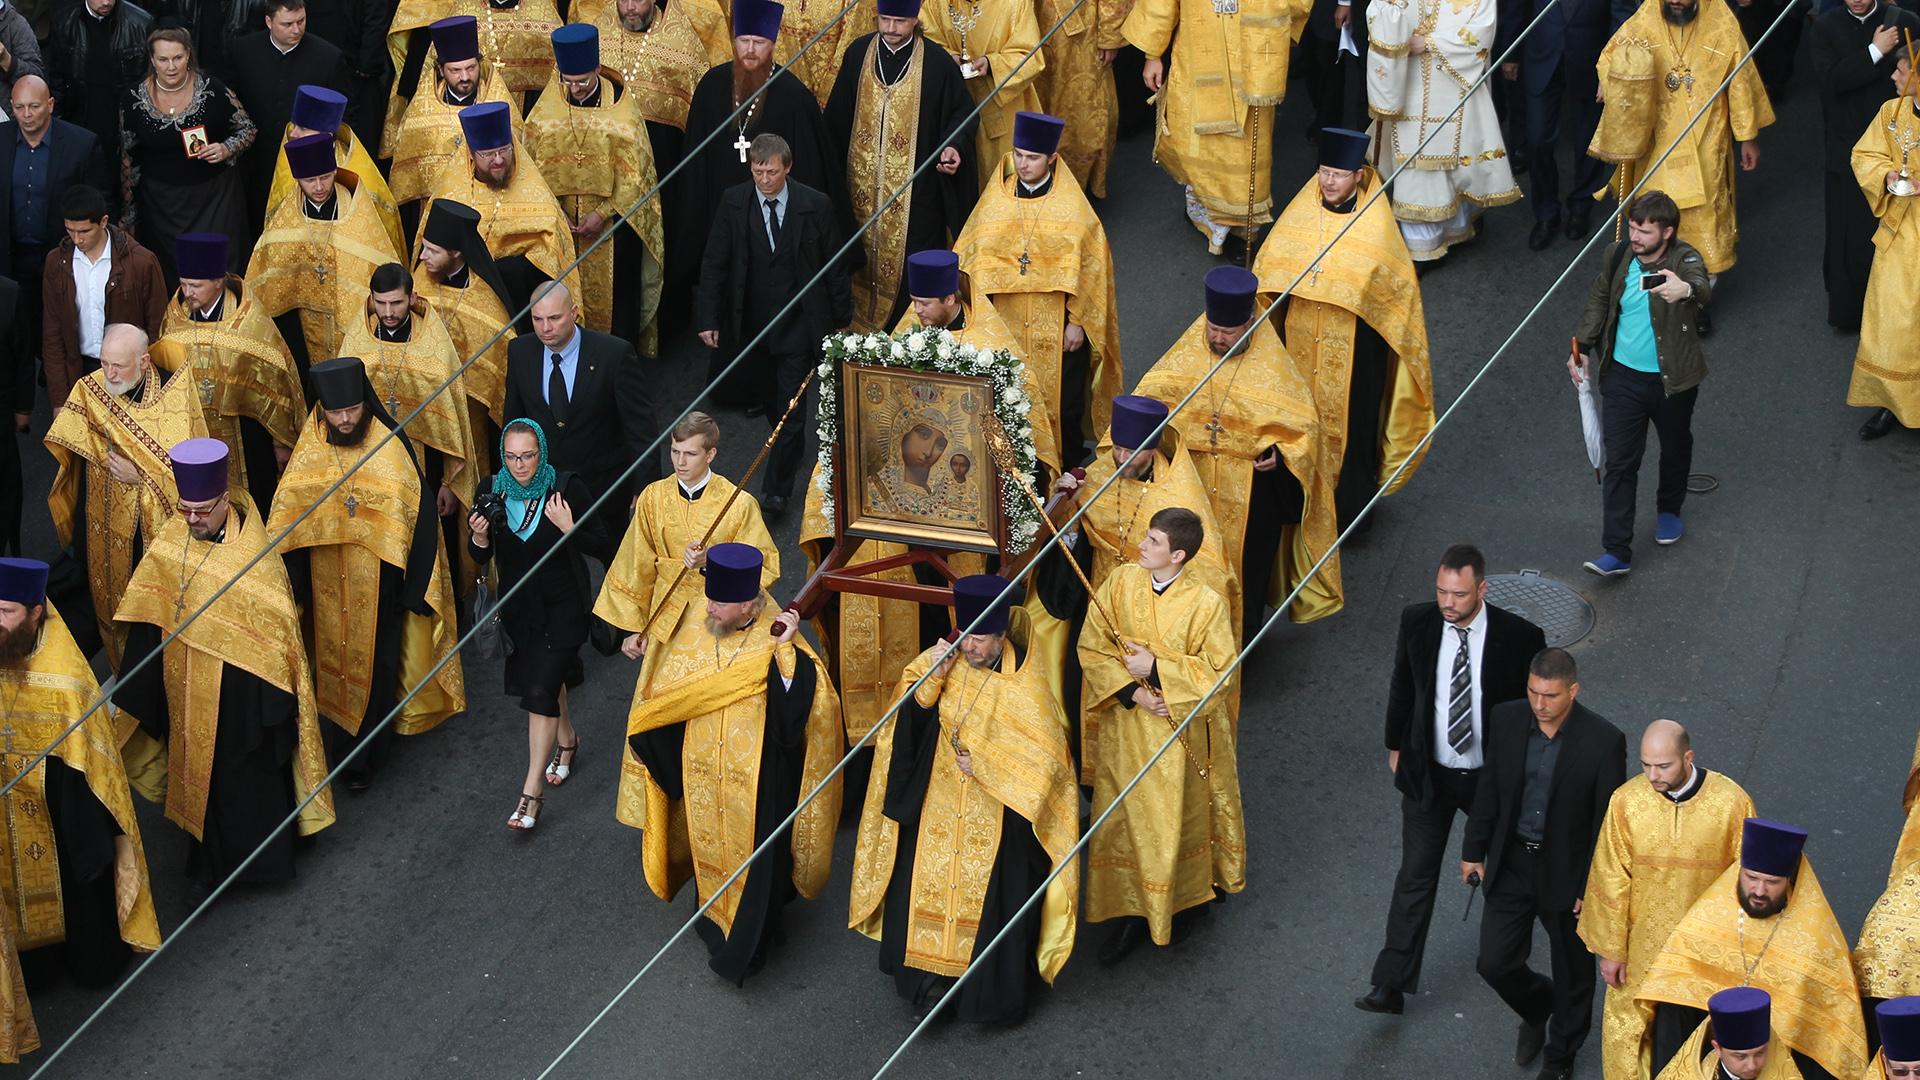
[(588, 392), (1668, 834)]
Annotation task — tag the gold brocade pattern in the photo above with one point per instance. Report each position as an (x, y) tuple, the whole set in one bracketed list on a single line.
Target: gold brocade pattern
[(661, 66), (92, 423), (1884, 959), (1653, 859), (1688, 1064), (405, 373), (601, 160), (1012, 729), (1699, 172), (521, 219), (320, 268), (241, 367), (18, 1035), (1806, 968), (423, 139), (369, 184), (1179, 837), (983, 328), (253, 626), (1258, 400), (1076, 84), (42, 699), (869, 638), (881, 154), (1044, 263), (346, 547), (1885, 372), (1367, 276), (665, 524), (819, 65), (1003, 33), (473, 316), (516, 42)]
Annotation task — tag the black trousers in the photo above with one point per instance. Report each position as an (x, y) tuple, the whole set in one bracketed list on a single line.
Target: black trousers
[(1423, 846), (1545, 112), (1849, 250), (28, 264), (778, 368), (1073, 405), (1630, 401), (1336, 82), (1506, 941)]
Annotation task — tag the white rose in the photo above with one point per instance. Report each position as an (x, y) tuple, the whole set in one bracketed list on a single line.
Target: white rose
[(969, 353), (1009, 395), (944, 350), (1023, 406), (917, 344), (875, 342)]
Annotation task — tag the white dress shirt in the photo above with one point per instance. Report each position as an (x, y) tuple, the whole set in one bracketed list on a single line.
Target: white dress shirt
[(1443, 692), (90, 295)]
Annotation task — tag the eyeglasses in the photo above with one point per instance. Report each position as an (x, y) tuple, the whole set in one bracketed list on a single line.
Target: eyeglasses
[(1902, 1072), (521, 459), (192, 513)]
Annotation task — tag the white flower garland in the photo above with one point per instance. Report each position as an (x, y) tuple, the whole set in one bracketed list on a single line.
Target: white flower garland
[(927, 349)]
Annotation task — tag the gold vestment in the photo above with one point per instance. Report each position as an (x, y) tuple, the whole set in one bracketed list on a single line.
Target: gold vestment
[(1886, 960), (522, 218), (407, 373), (353, 157), (1179, 836), (1076, 85), (1653, 859), (881, 152), (1001, 32), (241, 368), (516, 42), (665, 524), (424, 138), (18, 1035), (1885, 371), (1687, 1064), (474, 317), (661, 65), (320, 268)]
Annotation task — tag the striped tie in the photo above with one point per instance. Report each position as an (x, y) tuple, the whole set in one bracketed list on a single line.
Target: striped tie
[(1460, 703)]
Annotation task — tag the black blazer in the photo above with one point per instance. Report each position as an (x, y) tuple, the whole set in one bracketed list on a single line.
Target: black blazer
[(555, 606), (1592, 763), (807, 234), (76, 160), (1852, 86), (612, 420), (1510, 645)]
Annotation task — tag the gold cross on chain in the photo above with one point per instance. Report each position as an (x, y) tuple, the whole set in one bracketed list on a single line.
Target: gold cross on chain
[(1214, 428)]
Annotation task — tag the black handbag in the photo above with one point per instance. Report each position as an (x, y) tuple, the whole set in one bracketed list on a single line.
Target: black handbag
[(490, 639)]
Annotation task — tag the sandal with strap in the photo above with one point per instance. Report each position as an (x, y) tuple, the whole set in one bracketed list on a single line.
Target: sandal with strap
[(557, 770), (520, 820)]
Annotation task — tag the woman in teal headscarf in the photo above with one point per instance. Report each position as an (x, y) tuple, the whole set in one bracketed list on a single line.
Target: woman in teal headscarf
[(546, 619)]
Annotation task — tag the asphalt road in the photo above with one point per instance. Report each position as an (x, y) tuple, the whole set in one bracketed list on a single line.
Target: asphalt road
[(422, 939)]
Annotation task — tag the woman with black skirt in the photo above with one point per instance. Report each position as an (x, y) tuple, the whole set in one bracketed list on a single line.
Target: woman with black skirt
[(546, 621)]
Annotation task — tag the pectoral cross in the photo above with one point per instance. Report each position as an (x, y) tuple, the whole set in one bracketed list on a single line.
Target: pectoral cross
[(206, 391), (352, 504), (320, 271), (1226, 7), (1214, 428), (393, 405), (741, 144), (180, 604), (1024, 263)]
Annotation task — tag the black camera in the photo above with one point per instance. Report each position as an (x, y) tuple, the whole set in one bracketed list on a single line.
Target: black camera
[(493, 506)]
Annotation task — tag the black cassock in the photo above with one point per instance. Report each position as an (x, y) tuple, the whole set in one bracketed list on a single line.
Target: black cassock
[(265, 79), (769, 884), (941, 203), (996, 992), (1360, 465), (93, 954), (1852, 89)]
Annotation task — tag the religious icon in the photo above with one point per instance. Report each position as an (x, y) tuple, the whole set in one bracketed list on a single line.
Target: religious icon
[(907, 440), (194, 139)]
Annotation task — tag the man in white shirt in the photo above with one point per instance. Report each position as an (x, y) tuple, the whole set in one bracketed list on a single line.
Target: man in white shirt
[(97, 276)]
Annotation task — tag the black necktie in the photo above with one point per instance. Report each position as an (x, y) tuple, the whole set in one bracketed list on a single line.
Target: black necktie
[(773, 224), (557, 400)]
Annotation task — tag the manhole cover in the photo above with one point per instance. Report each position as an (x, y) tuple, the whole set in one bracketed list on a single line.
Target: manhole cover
[(1562, 614)]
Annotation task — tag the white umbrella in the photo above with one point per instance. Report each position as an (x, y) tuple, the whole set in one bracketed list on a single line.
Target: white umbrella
[(1589, 415)]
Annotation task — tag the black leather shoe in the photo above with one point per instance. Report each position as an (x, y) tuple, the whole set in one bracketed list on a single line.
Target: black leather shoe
[(1579, 222), (1555, 1072), (1877, 425), (773, 505), (1122, 941), (1542, 235), (1531, 1040), (756, 409), (1382, 999)]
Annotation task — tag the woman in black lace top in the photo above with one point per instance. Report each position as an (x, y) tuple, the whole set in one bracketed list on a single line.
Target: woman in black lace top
[(183, 133)]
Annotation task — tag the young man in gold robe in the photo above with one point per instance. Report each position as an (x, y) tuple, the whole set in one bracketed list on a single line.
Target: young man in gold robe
[(1763, 922), (1694, 48), (112, 488), (424, 136), (1666, 838), (1036, 249), (1352, 321), (249, 388), (1156, 641), (992, 40), (973, 784), (455, 274), (367, 567), (1216, 104), (1886, 376), (522, 223), (1255, 437), (231, 696), (320, 111), (1737, 1044), (517, 53), (320, 243), (67, 827), (1898, 1022), (729, 707), (587, 139)]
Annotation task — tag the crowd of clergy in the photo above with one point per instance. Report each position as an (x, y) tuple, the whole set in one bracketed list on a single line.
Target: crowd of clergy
[(276, 570)]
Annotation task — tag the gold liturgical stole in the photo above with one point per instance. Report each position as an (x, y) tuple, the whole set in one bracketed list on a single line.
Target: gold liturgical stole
[(319, 268), (880, 160), (241, 368), (406, 373), (661, 66), (652, 553)]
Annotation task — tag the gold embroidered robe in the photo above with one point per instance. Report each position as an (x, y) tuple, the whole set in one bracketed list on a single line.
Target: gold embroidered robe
[(708, 834), (1001, 32), (45, 696), (869, 638), (661, 65), (1884, 959), (241, 368), (1689, 1065), (818, 66), (1368, 278), (18, 1035), (1179, 836), (1816, 1003), (1076, 85), (1010, 725), (1885, 373), (406, 374), (1654, 858), (118, 516), (474, 317), (253, 626), (521, 219), (353, 157), (427, 135), (882, 151), (1214, 119), (1044, 263), (347, 546), (651, 555), (516, 42), (600, 159), (317, 267), (1258, 399), (1700, 172)]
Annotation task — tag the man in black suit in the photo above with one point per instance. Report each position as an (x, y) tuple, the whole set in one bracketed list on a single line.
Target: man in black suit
[(770, 238), (588, 392), (1456, 658), (1552, 765), (267, 67), (1336, 78), (1556, 74)]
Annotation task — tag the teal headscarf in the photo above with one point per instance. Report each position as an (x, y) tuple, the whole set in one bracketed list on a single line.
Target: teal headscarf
[(520, 495)]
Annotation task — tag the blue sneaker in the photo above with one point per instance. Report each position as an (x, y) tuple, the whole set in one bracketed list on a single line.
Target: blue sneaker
[(1669, 529), (1609, 565)]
